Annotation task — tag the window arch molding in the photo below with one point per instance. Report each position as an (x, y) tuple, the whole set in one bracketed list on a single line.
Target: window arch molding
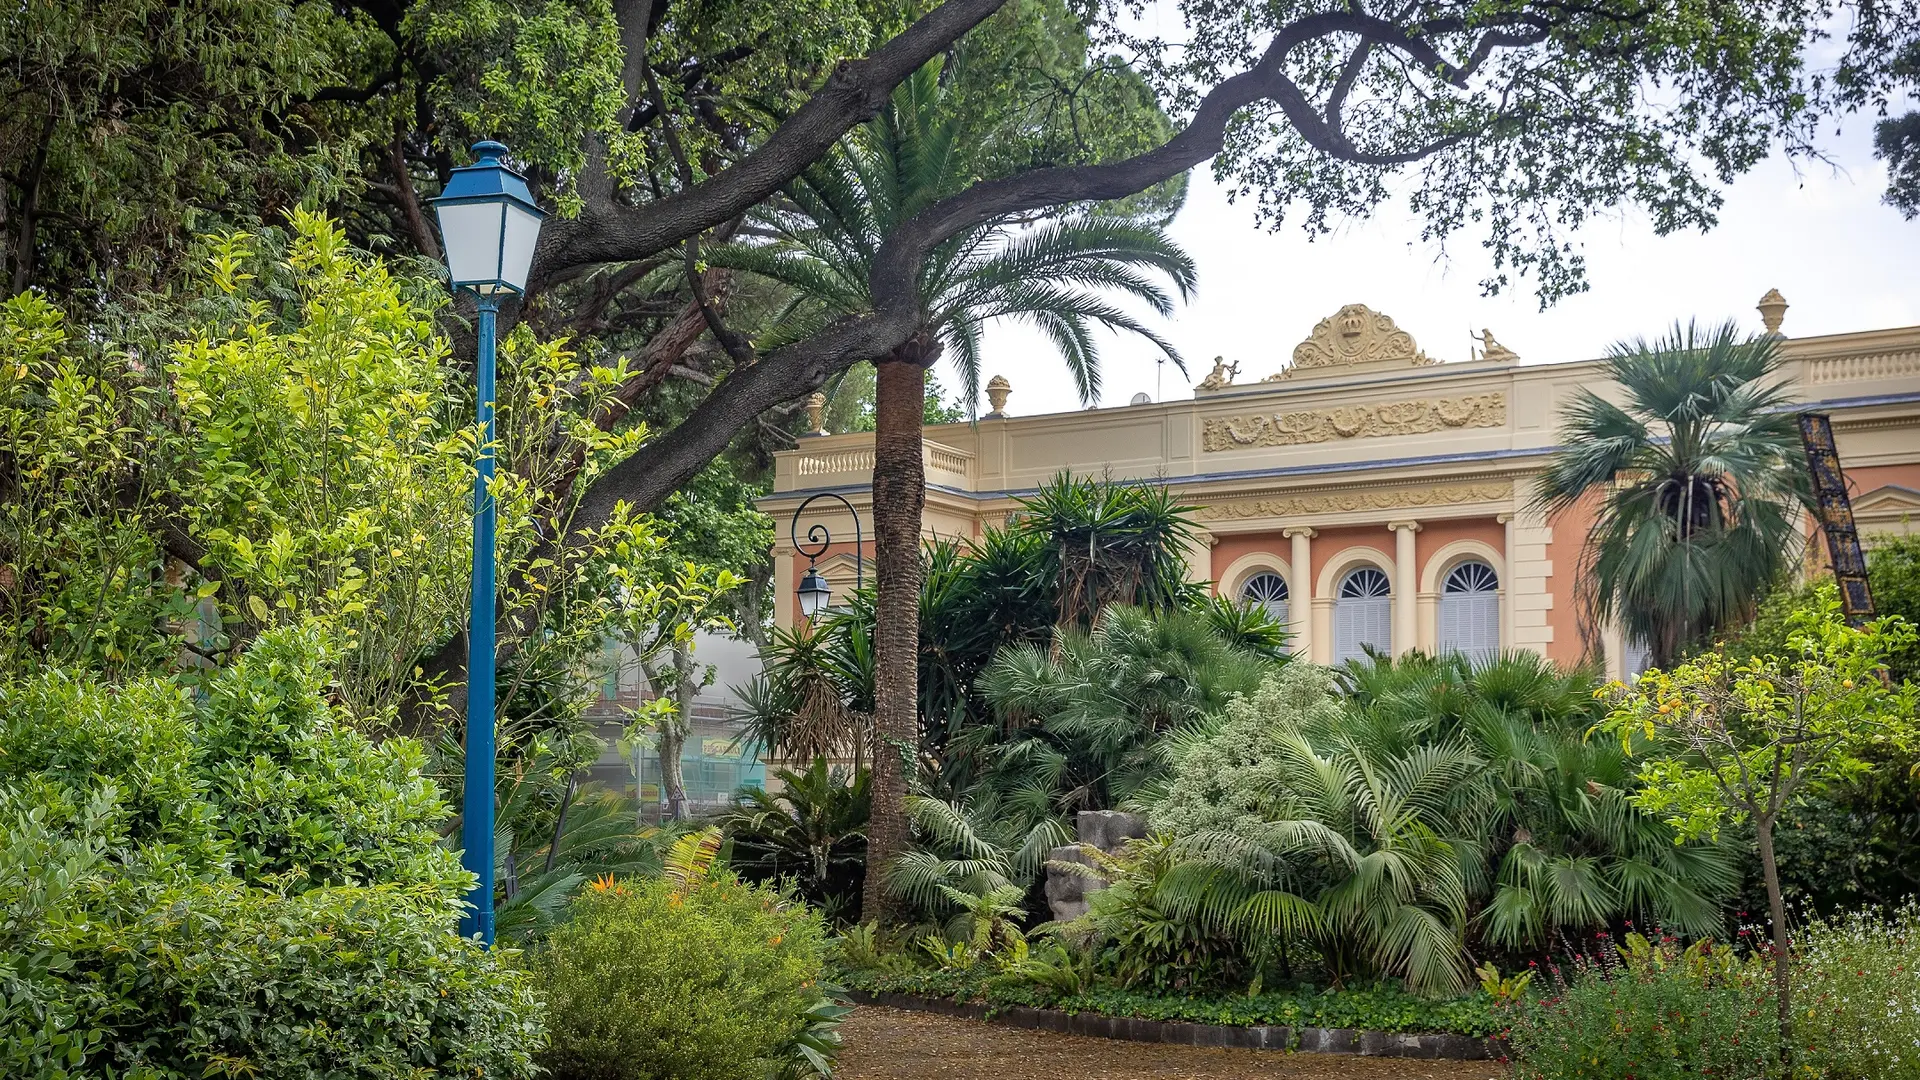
[(1344, 562), (1433, 575), (1233, 580)]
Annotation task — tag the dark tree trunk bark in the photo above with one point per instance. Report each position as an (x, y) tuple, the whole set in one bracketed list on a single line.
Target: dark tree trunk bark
[(1782, 954), (899, 492)]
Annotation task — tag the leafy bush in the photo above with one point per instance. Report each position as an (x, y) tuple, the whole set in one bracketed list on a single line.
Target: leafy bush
[(1857, 995), (702, 978), (233, 883), (1651, 1010)]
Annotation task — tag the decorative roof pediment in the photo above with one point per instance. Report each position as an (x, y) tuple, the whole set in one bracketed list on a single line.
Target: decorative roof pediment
[(1355, 338), (1891, 498)]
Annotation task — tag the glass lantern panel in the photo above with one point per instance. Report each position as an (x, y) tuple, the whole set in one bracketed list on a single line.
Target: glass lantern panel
[(471, 233), (516, 257)]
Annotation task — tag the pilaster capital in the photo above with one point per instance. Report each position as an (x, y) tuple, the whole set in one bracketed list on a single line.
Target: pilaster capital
[(1410, 526), (1504, 517), (1298, 530)]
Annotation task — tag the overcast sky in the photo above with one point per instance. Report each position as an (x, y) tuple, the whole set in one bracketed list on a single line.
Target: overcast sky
[(1843, 259)]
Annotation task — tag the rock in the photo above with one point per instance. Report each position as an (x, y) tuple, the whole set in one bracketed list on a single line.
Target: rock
[(1107, 830)]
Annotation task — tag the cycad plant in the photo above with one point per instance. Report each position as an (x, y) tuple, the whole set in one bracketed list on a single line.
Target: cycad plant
[(1697, 481), (1057, 275), (810, 835)]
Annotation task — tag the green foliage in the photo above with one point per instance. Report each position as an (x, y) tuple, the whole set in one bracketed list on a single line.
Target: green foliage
[(1650, 1010), (282, 445), (1699, 479), (1109, 543), (923, 147), (1552, 844), (694, 979), (234, 882), (1089, 723), (1372, 1008), (811, 837), (1893, 572), (1371, 827), (134, 126), (1326, 832), (1859, 1001), (1728, 739)]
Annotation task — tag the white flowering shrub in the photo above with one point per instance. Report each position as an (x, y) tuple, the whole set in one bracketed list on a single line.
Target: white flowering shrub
[(1858, 995)]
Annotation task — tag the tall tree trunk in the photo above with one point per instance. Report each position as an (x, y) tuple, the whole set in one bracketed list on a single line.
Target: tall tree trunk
[(899, 492), (681, 688), (1782, 954)]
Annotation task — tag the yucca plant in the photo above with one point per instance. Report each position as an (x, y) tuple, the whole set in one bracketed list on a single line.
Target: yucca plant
[(1057, 275), (1107, 543), (1699, 480)]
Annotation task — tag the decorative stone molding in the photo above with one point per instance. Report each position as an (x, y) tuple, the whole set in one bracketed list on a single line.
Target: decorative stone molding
[(1773, 310), (1354, 336), (1363, 499), (1354, 422), (997, 390)]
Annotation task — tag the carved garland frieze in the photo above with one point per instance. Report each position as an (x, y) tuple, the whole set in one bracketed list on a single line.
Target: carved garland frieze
[(1363, 499), (1354, 422)]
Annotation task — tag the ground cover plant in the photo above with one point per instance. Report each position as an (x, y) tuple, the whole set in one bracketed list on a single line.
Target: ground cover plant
[(1372, 1008)]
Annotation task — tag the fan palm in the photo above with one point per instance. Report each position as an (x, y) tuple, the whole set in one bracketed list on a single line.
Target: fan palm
[(827, 235), (1552, 843), (1698, 479), (1329, 829)]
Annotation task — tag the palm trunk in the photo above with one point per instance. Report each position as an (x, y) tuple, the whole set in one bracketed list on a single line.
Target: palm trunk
[(1782, 954), (899, 492)]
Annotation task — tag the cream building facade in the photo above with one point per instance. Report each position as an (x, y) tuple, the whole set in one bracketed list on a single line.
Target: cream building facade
[(1369, 493)]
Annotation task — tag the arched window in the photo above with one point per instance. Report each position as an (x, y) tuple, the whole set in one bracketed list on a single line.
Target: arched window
[(1268, 590), (1470, 611), (1362, 615)]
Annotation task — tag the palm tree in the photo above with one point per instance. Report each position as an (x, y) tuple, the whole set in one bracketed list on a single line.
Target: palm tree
[(1051, 274), (1698, 480)]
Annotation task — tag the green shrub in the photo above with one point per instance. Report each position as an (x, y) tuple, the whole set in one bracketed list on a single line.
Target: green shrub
[(713, 979), (234, 883), (1857, 995), (1651, 1011)]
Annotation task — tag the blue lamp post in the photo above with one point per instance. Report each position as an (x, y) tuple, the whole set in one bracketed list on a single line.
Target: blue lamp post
[(488, 226)]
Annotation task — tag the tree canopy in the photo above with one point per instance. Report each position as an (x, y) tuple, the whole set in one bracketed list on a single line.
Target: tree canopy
[(652, 128)]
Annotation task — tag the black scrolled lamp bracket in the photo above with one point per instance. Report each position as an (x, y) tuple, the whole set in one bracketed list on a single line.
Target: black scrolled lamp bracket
[(819, 538)]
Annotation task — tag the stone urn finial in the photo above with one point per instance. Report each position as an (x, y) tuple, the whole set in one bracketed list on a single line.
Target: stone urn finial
[(1772, 308), (997, 390), (816, 413)]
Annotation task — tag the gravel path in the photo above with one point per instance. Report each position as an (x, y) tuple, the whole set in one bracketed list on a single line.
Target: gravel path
[(893, 1044)]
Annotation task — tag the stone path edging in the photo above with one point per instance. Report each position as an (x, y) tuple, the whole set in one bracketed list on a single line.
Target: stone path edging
[(1312, 1040)]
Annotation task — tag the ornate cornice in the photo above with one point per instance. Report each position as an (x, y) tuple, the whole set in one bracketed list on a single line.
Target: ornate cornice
[(1363, 499), (1354, 422)]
